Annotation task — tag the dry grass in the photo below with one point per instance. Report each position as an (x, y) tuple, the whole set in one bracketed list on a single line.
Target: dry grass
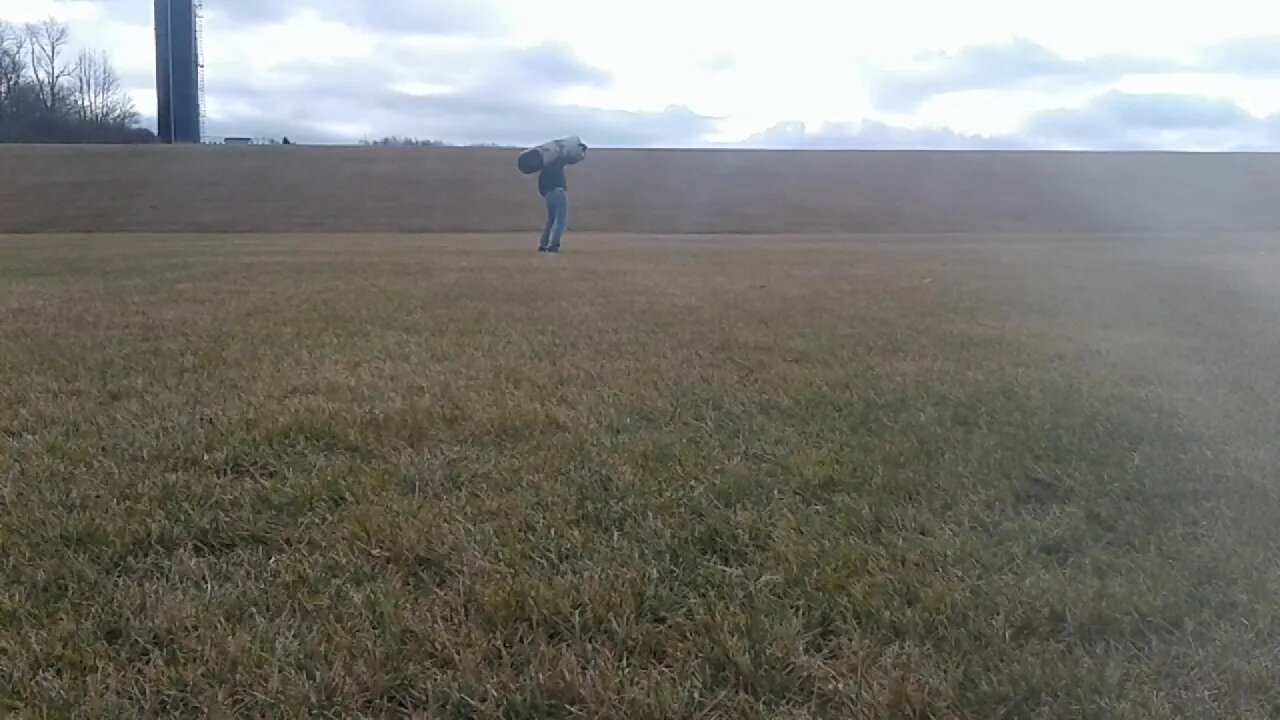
[(337, 189), (767, 477)]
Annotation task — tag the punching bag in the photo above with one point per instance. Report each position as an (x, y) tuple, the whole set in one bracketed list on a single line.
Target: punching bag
[(569, 149)]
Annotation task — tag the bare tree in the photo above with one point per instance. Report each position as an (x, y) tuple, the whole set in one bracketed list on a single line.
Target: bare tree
[(47, 41), (97, 96), (13, 65), (49, 96)]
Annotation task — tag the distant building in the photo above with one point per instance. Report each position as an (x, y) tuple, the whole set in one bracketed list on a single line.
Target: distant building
[(178, 71)]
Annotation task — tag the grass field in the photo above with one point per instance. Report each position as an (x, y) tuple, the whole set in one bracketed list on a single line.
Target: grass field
[(758, 477)]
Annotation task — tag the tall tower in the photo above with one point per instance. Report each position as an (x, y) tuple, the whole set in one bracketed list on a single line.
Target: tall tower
[(178, 76)]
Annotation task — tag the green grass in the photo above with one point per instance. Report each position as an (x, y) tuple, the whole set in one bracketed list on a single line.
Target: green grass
[(652, 478)]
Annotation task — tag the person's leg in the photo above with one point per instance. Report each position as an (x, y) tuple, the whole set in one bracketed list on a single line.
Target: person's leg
[(562, 218), (545, 242)]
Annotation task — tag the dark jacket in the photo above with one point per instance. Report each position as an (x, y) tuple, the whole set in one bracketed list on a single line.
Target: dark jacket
[(552, 178)]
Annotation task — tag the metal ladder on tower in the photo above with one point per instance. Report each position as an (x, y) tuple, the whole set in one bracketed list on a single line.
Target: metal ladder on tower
[(197, 8)]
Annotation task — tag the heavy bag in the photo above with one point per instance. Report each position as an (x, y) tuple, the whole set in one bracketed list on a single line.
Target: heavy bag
[(569, 149)]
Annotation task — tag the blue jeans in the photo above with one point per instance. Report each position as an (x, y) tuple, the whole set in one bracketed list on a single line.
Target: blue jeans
[(557, 219)]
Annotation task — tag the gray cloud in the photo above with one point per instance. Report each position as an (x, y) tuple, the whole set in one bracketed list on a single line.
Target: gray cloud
[(1112, 121), (470, 118), (1154, 112), (451, 17), (1022, 63), (720, 63), (414, 17), (484, 93), (541, 71), (1121, 121), (408, 17), (137, 12), (534, 71), (1253, 56), (1001, 67)]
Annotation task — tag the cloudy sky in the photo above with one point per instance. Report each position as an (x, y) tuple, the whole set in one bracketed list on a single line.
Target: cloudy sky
[(1071, 74)]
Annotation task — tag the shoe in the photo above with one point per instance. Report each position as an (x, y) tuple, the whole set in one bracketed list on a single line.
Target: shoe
[(542, 249), (554, 251)]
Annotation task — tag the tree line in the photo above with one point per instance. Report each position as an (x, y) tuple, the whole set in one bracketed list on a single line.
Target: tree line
[(50, 95)]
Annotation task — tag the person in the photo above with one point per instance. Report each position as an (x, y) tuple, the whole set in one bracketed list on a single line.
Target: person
[(554, 188)]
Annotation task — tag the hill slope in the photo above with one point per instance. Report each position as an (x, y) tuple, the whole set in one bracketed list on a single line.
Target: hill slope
[(314, 189)]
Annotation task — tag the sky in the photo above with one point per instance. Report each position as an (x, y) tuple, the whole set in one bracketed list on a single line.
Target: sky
[(819, 74)]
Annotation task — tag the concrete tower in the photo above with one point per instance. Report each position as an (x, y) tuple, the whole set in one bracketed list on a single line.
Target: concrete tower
[(178, 71)]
